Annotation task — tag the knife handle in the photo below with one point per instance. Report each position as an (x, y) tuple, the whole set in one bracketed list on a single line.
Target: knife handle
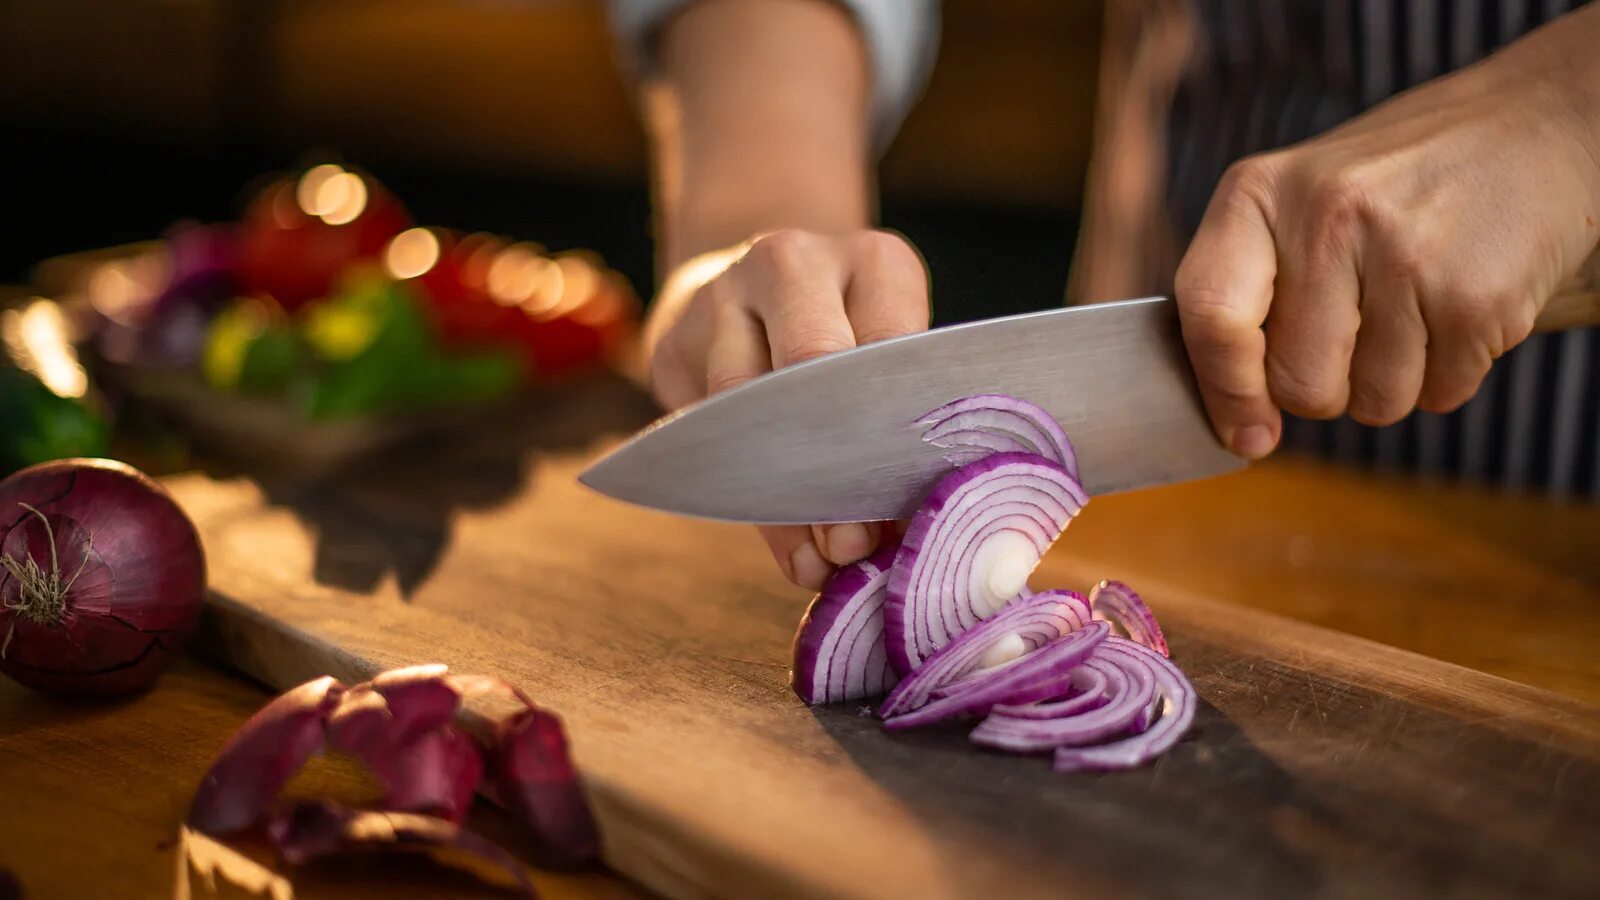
[(1576, 304)]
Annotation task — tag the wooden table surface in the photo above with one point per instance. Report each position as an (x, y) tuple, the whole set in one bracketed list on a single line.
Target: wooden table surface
[(92, 794)]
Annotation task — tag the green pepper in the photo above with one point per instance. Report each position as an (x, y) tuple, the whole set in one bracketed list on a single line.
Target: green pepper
[(41, 426), (250, 350), (378, 355)]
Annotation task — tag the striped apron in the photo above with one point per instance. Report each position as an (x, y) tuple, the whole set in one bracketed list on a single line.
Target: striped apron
[(1189, 86)]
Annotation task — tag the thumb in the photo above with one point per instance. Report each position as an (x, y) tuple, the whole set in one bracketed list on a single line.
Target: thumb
[(1224, 288)]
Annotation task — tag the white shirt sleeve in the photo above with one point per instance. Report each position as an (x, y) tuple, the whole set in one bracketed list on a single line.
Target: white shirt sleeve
[(902, 39)]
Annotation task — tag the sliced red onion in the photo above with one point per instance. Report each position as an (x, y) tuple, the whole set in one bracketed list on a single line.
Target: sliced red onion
[(838, 649), (975, 427), (393, 708), (1178, 703), (534, 776), (262, 756), (1120, 605), (1039, 675), (399, 724), (402, 725), (1071, 723), (311, 831), (435, 772), (1026, 625), (970, 549), (1090, 688)]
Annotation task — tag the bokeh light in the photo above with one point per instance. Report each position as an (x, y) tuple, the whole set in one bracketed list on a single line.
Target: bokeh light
[(411, 253), (38, 340), (329, 192), (517, 275)]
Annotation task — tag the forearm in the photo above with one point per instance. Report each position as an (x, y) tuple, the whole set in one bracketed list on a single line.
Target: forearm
[(1563, 56), (759, 121)]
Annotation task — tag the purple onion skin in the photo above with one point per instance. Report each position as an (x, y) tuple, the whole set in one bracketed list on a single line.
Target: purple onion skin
[(534, 777), (400, 725), (135, 602), (262, 756), (832, 602), (435, 773), (311, 831)]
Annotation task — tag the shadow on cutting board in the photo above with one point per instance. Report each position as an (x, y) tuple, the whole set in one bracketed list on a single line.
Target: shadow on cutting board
[(393, 515), (1156, 827), (1293, 783)]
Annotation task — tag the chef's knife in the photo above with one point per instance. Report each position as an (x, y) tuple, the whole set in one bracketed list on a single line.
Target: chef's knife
[(832, 439)]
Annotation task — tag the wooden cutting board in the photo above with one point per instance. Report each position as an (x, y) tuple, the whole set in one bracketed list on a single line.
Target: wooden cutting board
[(1322, 765)]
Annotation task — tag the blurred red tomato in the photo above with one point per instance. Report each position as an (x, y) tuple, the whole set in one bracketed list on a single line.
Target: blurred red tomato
[(451, 272), (584, 327), (300, 235), (559, 347)]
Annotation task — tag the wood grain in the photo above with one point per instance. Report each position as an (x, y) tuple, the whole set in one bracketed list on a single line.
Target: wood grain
[(1323, 765), (1502, 583), (92, 795)]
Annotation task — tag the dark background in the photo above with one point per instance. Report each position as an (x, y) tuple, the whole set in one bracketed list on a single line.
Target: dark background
[(120, 118)]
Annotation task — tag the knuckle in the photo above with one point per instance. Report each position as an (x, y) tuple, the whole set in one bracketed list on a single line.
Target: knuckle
[(1336, 202), (873, 335), (1251, 176), (1232, 392), (806, 345), (1476, 316), (1373, 404), (1404, 260), (884, 248), (784, 250), (717, 294), (717, 382), (1516, 323), (1208, 314), (670, 381), (1304, 393)]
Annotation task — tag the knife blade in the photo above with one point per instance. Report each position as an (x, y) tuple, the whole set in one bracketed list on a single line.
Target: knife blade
[(833, 439)]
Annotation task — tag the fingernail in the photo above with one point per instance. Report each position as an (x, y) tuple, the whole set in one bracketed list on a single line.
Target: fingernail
[(807, 567), (844, 544), (1253, 441)]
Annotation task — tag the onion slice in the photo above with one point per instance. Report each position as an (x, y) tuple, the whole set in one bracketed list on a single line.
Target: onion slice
[(1120, 605), (403, 725), (1178, 703), (534, 776), (838, 648), (975, 427), (1024, 626), (262, 756), (1090, 689), (311, 831), (970, 549), (1039, 675), (1070, 723)]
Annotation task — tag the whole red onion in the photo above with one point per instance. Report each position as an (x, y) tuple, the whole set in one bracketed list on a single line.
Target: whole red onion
[(101, 578)]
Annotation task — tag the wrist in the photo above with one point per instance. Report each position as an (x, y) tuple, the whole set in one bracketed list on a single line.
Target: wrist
[(1560, 63), (759, 122)]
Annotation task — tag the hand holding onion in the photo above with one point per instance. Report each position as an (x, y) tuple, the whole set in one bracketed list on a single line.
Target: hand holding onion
[(101, 578), (778, 299)]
